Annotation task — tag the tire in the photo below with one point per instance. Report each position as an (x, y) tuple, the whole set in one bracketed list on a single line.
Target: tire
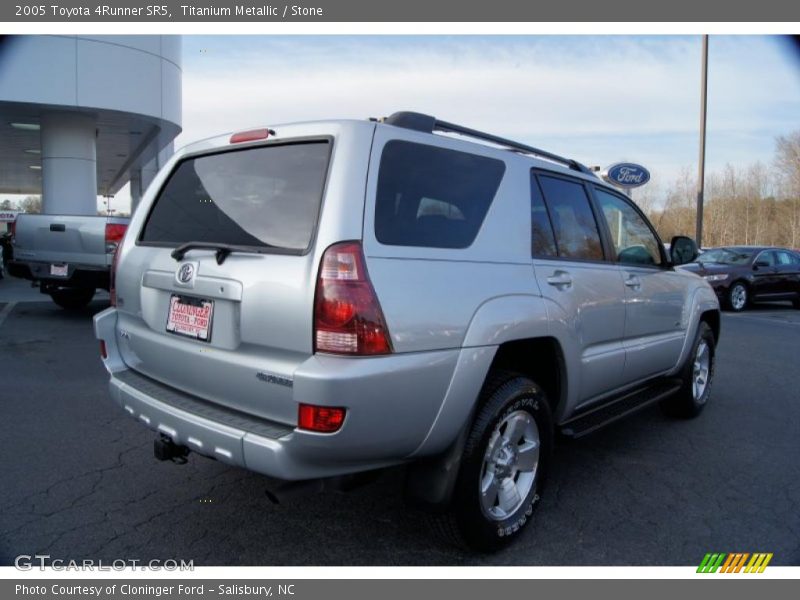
[(72, 298), (738, 297), (697, 376), (493, 459)]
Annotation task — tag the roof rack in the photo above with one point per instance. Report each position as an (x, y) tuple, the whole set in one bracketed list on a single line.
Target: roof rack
[(430, 124)]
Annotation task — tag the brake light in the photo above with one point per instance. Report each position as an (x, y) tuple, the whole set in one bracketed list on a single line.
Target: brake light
[(324, 419), (12, 227), (112, 279), (114, 234), (103, 352), (250, 136), (347, 316)]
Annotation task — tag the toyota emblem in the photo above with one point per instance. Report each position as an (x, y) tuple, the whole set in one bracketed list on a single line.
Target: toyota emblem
[(185, 273)]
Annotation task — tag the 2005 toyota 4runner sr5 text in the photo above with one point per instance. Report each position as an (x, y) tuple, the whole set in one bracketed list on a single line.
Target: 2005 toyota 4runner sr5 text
[(323, 299)]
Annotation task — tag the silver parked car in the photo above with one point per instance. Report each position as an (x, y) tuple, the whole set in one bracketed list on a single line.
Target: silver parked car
[(316, 300)]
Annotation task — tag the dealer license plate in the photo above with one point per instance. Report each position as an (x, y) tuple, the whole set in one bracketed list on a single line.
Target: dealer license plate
[(190, 317), (59, 270)]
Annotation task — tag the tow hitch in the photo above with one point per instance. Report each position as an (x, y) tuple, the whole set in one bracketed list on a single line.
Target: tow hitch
[(165, 449)]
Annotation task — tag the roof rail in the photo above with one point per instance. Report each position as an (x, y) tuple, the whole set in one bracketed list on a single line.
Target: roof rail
[(430, 124)]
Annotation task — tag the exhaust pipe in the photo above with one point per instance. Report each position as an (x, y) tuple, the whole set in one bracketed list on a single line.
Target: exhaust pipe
[(165, 449)]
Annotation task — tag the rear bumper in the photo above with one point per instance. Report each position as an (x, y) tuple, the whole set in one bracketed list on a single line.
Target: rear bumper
[(80, 276), (392, 403)]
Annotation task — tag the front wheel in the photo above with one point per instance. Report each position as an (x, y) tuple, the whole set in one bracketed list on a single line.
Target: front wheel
[(738, 297), (697, 376), (503, 466), (72, 298)]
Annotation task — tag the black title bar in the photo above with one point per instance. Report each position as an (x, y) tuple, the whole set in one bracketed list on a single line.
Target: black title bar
[(466, 11)]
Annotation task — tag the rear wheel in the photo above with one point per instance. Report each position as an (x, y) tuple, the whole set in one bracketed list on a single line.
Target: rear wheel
[(697, 375), (738, 297), (72, 298), (503, 466)]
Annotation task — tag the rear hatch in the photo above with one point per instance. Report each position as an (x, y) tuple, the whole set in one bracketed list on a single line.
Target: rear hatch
[(216, 296)]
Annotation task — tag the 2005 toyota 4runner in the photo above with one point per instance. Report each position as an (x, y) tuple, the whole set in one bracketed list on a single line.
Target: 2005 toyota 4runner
[(315, 300)]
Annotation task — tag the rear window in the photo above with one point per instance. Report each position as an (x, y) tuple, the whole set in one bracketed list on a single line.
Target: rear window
[(433, 197), (265, 197)]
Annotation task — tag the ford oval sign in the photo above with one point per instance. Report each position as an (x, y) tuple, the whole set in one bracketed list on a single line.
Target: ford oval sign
[(626, 175)]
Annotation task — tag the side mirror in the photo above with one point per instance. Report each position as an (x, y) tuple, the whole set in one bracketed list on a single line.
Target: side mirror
[(682, 250)]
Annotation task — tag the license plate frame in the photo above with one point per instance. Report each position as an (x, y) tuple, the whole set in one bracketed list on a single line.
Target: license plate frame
[(185, 316), (59, 270)]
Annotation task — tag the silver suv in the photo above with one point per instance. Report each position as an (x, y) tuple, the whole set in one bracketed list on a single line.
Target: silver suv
[(316, 300)]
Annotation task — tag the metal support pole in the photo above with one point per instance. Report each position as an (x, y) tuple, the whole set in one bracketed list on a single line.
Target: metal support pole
[(701, 175)]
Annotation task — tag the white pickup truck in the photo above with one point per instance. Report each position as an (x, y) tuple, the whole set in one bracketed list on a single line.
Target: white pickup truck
[(69, 257)]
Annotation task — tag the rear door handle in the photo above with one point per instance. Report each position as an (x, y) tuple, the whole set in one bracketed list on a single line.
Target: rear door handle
[(633, 282), (560, 280)]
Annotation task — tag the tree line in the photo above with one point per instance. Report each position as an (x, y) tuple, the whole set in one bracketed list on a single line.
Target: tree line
[(758, 204)]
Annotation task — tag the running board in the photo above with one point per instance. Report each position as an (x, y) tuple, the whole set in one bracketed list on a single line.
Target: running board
[(601, 416)]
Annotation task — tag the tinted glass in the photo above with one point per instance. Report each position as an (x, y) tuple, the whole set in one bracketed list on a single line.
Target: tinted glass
[(434, 197), (726, 256), (575, 229), (786, 258), (543, 242), (634, 242), (264, 197), (767, 258)]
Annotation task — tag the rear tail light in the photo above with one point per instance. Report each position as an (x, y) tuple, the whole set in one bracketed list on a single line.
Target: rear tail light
[(112, 279), (114, 234), (103, 352), (347, 316), (323, 419), (12, 227)]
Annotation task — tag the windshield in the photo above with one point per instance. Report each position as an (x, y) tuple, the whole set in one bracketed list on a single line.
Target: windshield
[(726, 256), (263, 197)]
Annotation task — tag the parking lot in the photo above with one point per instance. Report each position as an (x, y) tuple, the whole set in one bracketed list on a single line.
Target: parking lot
[(78, 478)]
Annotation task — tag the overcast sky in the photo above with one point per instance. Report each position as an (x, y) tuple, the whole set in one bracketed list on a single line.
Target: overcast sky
[(599, 99)]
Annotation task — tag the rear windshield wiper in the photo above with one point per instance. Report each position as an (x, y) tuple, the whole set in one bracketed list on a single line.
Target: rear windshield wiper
[(222, 250)]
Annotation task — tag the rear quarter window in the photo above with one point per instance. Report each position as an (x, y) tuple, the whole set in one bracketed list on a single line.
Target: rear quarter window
[(433, 197)]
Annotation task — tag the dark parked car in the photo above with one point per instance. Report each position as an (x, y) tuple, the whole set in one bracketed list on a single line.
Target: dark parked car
[(744, 274)]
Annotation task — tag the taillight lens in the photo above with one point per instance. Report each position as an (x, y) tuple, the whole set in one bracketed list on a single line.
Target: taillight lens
[(114, 234), (112, 281), (347, 316), (12, 227), (324, 419), (103, 351)]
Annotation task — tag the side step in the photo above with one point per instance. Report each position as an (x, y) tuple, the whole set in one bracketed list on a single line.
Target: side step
[(600, 416)]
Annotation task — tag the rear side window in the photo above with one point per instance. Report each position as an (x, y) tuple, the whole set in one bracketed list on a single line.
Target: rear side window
[(543, 242), (433, 197), (266, 197), (574, 225)]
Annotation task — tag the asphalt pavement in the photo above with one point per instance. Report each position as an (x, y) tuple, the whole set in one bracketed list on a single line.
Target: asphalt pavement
[(78, 479)]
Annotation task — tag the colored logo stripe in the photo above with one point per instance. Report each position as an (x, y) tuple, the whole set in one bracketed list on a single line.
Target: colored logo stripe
[(734, 562), (758, 563)]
